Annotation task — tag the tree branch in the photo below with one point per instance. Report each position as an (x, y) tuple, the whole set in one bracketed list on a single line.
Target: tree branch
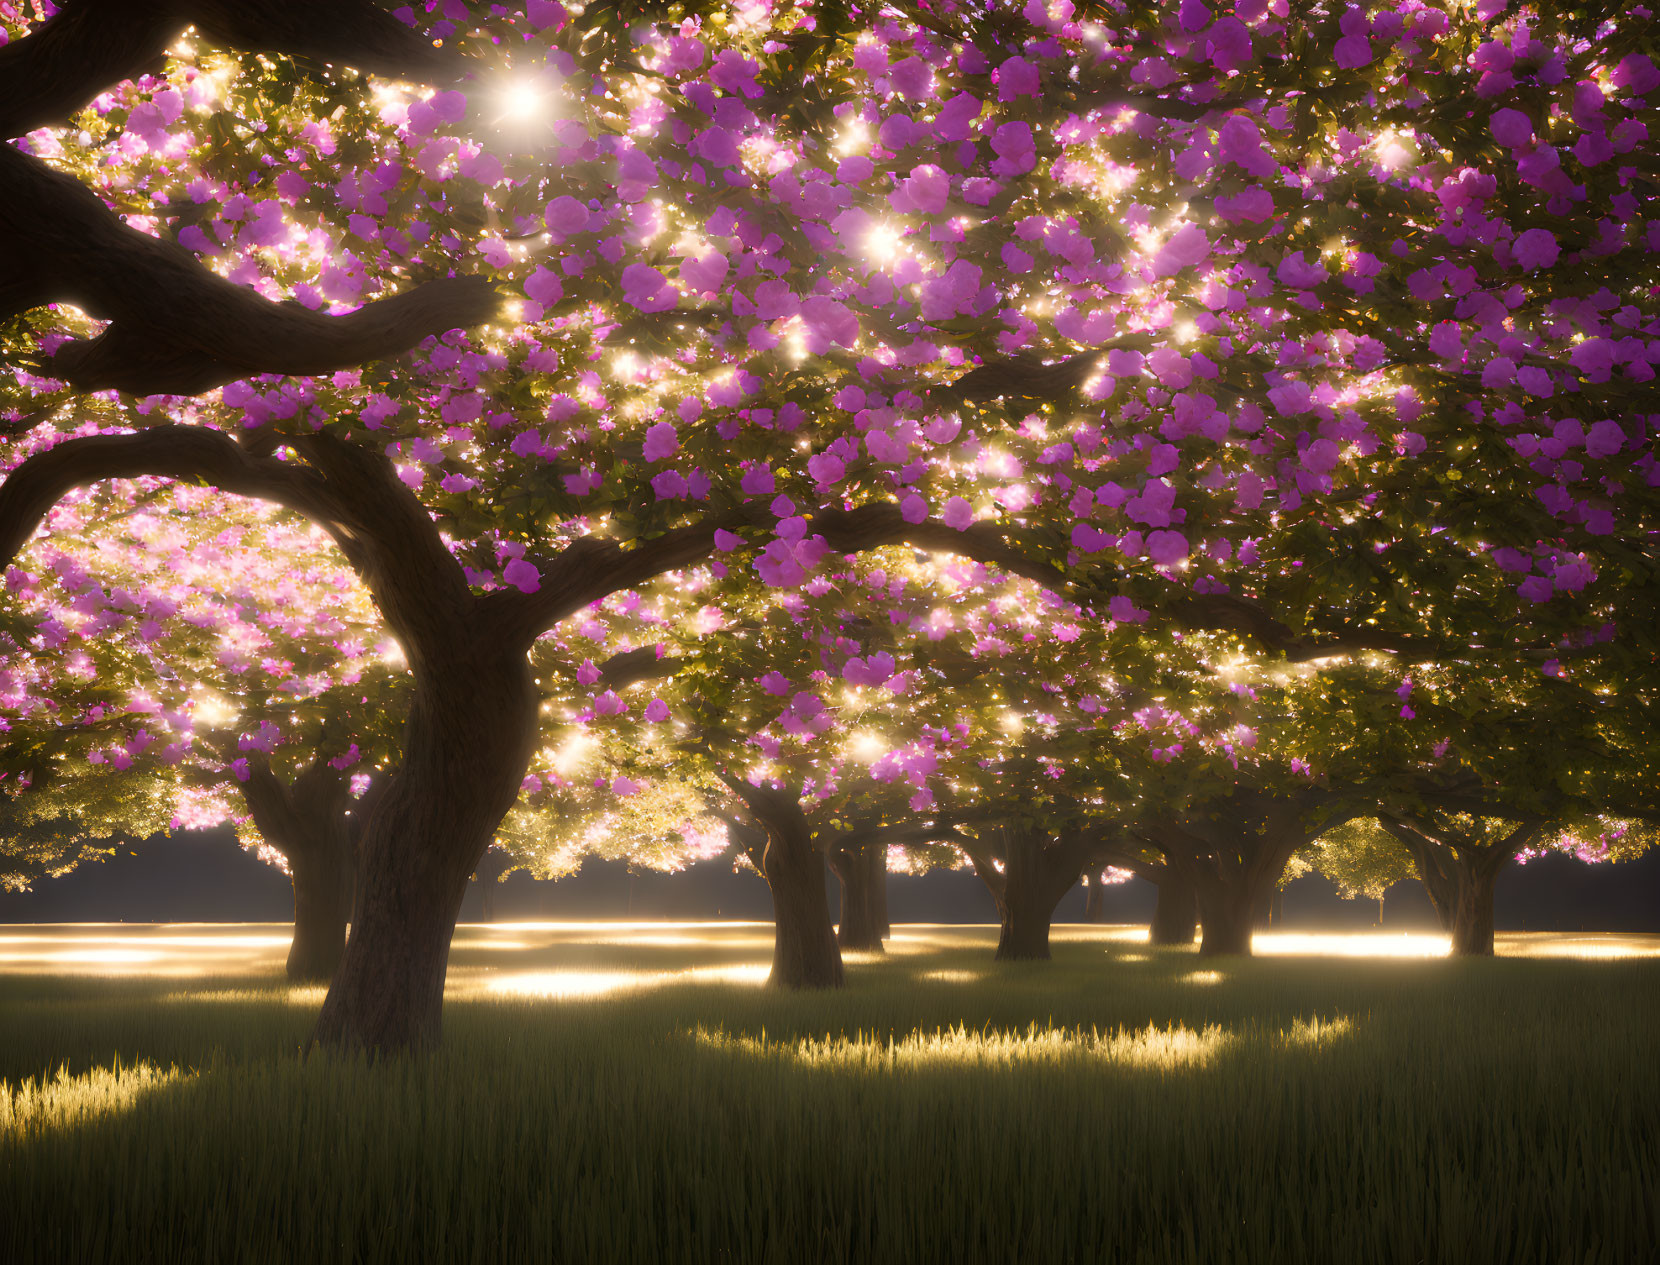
[(92, 45), (178, 328), (180, 452)]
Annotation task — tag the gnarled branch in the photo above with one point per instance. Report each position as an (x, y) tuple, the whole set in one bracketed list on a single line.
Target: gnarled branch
[(177, 327), (92, 45), (180, 452)]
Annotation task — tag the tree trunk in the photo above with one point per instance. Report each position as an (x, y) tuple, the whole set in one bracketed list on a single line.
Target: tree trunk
[(863, 872), (1227, 916), (804, 949), (879, 890), (471, 730), (306, 818), (1094, 899), (1472, 914), (1035, 876), (1024, 934), (1460, 877), (322, 904), (1176, 915)]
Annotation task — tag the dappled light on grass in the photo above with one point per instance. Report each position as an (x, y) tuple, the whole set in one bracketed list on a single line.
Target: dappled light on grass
[(142, 949), (952, 977), (307, 995), (1329, 1095), (558, 985), (1596, 946), (1351, 944), (64, 1101), (1172, 1047), (1318, 1031)]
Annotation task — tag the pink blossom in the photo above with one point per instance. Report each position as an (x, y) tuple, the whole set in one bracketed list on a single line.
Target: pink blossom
[(522, 575), (1536, 248), (1511, 128), (662, 441)]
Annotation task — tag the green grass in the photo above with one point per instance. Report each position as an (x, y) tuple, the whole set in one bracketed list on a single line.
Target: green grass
[(1105, 1107)]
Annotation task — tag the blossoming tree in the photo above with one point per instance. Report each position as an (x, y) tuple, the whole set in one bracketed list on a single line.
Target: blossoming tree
[(1186, 307)]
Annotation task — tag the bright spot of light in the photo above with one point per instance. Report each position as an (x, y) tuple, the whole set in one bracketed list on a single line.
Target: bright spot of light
[(522, 99), (1317, 1031), (869, 745), (213, 710), (63, 1101), (1152, 1046), (563, 985), (882, 243), (1352, 944)]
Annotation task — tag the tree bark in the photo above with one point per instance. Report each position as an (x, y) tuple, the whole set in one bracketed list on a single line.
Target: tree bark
[(879, 891), (468, 742), (1460, 874), (1234, 854), (1024, 932), (1227, 918), (1036, 874), (1176, 913), (1472, 915), (862, 870), (306, 820), (804, 949), (1094, 899), (322, 906)]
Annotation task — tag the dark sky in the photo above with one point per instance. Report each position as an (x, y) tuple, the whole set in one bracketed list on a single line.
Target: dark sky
[(205, 877)]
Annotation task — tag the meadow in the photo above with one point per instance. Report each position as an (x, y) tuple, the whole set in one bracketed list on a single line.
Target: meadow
[(630, 1093)]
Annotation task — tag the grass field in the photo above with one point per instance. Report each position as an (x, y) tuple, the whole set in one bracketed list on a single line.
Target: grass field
[(629, 1093)]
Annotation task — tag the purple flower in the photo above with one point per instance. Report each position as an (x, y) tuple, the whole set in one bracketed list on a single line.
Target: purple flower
[(1535, 248), (1511, 128), (1445, 342), (657, 711), (670, 485), (1016, 77), (662, 441), (1606, 438), (543, 286), (825, 469), (1252, 205), (1352, 51), (565, 216), (705, 273), (925, 191), (1166, 548), (1636, 75), (1016, 153), (957, 514), (1186, 247), (913, 509), (522, 575), (647, 289), (1124, 611), (1594, 358), (726, 541)]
